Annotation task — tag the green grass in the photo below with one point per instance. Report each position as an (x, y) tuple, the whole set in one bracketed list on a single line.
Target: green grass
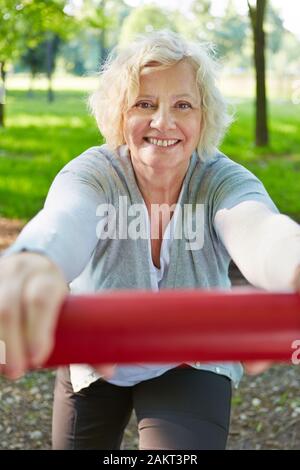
[(40, 138), (278, 165)]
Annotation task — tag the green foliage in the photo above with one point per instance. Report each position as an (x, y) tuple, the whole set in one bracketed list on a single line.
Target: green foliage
[(145, 19), (230, 34), (274, 28), (81, 54), (34, 59), (102, 19), (277, 165), (40, 58), (40, 139), (25, 22)]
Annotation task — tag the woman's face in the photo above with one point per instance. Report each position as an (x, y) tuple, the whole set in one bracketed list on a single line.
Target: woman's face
[(162, 128)]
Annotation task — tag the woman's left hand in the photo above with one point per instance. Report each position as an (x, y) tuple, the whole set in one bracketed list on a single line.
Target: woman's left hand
[(296, 280), (257, 367), (106, 370)]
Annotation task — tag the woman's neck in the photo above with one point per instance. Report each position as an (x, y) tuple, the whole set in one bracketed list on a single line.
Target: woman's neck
[(159, 186)]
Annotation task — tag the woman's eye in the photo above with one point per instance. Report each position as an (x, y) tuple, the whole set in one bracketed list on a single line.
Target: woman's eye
[(184, 105), (144, 105)]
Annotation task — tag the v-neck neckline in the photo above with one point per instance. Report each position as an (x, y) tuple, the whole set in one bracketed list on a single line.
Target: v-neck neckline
[(167, 235), (170, 280)]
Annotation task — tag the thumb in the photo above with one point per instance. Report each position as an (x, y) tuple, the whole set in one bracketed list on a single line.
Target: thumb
[(106, 370), (256, 367)]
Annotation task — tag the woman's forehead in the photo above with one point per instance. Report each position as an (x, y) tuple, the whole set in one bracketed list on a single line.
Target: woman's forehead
[(179, 69), (179, 79), (182, 72)]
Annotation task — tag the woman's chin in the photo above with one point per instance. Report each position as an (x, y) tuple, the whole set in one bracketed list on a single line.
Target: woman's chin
[(158, 159)]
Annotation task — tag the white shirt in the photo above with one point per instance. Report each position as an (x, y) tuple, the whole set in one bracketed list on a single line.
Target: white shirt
[(132, 374)]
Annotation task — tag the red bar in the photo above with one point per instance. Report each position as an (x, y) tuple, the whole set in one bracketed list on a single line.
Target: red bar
[(176, 325)]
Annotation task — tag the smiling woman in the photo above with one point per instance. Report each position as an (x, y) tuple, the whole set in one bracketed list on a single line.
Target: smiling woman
[(175, 118), (195, 84), (162, 116)]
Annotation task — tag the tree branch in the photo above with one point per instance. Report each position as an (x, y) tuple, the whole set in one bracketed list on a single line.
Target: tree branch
[(252, 14)]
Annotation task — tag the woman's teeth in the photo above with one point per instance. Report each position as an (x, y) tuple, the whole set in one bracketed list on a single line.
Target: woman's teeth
[(161, 143)]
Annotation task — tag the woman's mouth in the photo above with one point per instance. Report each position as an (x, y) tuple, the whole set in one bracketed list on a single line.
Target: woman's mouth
[(165, 143)]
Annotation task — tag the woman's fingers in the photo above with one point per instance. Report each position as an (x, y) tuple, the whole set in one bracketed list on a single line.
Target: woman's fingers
[(32, 289), (296, 280), (43, 296), (106, 370), (11, 331), (256, 367)]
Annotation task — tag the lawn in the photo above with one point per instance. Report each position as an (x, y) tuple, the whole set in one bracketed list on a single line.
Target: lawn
[(40, 138)]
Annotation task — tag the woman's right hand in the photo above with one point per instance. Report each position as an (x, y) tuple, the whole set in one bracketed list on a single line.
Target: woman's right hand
[(32, 290)]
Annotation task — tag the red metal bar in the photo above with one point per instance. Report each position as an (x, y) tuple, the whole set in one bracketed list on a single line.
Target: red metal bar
[(176, 325)]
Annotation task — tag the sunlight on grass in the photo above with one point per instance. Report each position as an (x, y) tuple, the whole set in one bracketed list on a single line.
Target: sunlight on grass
[(286, 128), (65, 82), (48, 120), (40, 138)]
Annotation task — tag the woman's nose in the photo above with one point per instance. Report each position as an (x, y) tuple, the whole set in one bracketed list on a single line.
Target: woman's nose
[(163, 119)]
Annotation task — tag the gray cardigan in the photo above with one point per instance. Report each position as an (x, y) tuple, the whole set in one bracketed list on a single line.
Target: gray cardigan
[(124, 263)]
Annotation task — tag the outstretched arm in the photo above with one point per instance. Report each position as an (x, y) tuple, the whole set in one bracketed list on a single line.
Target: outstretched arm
[(65, 229), (266, 248), (264, 245)]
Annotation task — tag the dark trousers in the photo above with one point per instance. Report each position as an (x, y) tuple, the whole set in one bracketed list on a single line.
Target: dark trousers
[(184, 408)]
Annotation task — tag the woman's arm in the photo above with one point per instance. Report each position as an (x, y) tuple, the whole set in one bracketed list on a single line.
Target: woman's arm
[(32, 287), (65, 229), (264, 245)]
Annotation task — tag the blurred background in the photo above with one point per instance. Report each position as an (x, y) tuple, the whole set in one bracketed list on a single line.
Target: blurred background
[(50, 52)]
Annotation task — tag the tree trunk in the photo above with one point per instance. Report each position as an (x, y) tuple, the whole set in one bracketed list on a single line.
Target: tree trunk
[(49, 68), (102, 49), (257, 14), (2, 93), (102, 39), (30, 92)]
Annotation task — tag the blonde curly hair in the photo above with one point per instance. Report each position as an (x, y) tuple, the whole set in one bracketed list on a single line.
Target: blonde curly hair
[(119, 85)]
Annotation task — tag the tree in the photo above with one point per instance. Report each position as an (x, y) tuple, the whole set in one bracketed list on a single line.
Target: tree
[(34, 59), (274, 28), (145, 19), (104, 18), (51, 25), (257, 15), (8, 40), (199, 24), (52, 45), (41, 59), (24, 23), (92, 14), (230, 34), (202, 12)]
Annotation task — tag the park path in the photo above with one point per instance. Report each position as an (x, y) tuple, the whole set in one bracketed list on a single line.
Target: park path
[(9, 229)]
